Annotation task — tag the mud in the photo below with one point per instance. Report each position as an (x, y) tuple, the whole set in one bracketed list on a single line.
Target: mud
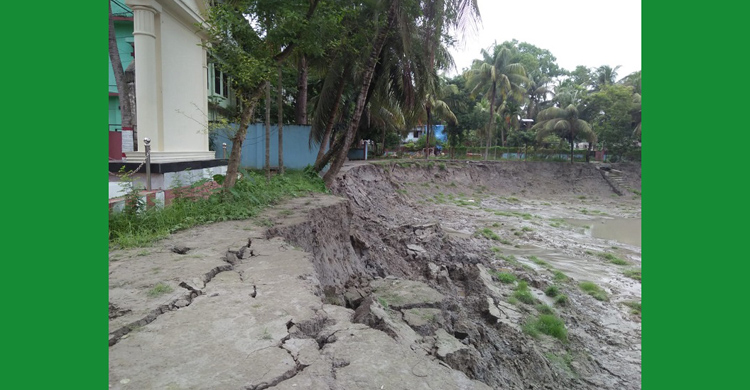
[(389, 285)]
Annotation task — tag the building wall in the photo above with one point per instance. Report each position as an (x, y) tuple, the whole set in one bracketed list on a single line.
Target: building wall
[(297, 154), (184, 106)]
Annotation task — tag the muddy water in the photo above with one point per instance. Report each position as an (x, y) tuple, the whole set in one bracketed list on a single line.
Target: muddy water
[(625, 230)]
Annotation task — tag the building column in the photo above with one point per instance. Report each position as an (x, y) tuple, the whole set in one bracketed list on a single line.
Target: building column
[(144, 34)]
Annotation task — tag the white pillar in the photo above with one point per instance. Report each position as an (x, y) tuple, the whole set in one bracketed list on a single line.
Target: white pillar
[(144, 33)]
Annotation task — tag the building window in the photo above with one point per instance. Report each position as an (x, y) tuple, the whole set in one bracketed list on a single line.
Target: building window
[(225, 85), (217, 82)]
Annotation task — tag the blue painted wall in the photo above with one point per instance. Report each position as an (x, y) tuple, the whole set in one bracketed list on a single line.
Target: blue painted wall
[(297, 154)]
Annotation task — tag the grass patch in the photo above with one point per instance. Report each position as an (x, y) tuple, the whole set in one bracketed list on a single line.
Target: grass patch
[(561, 300), (633, 274), (505, 277), (441, 166), (513, 301), (563, 361), (286, 213), (635, 307), (487, 233), (559, 276), (527, 229), (539, 261), (505, 242), (544, 309), (552, 291), (523, 294), (250, 195), (613, 259), (158, 290), (503, 213), (548, 324), (595, 291)]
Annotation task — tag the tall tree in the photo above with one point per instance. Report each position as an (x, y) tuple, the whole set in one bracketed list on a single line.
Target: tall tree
[(605, 75), (280, 123), (126, 110), (245, 36), (300, 108), (564, 122), (498, 76)]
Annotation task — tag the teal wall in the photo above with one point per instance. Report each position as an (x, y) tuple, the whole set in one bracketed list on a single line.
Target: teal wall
[(124, 34), (297, 154)]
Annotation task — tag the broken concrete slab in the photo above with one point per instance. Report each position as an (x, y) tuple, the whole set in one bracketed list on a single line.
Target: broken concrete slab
[(406, 294)]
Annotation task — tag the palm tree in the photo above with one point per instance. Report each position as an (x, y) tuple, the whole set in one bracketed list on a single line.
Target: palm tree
[(564, 123), (605, 75), (500, 77), (636, 114), (537, 90)]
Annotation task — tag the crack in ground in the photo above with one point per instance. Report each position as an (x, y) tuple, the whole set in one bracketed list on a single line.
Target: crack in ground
[(289, 374), (118, 334)]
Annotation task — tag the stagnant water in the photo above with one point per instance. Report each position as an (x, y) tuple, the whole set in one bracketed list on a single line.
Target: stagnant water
[(625, 230)]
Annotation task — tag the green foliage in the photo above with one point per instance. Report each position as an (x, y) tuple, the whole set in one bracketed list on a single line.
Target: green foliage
[(487, 233), (635, 307), (548, 324), (595, 291), (613, 259), (559, 276), (561, 300), (505, 277), (552, 291), (523, 294), (250, 195), (544, 309), (633, 273)]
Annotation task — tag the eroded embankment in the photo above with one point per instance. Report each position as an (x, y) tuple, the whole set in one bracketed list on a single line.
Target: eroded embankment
[(386, 255)]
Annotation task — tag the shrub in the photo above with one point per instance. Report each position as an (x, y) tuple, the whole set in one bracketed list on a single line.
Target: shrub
[(552, 291), (505, 277), (561, 300)]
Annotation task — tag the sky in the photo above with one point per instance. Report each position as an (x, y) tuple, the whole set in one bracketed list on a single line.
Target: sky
[(577, 32)]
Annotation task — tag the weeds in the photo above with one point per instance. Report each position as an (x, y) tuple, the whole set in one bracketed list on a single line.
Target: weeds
[(523, 294), (561, 300), (559, 276), (633, 274), (635, 307), (548, 324), (565, 362), (250, 195), (159, 289), (487, 233), (505, 277), (613, 259), (527, 229), (595, 291), (539, 261), (544, 309), (552, 291)]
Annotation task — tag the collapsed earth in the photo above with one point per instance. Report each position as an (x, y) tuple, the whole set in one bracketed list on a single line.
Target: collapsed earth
[(408, 275)]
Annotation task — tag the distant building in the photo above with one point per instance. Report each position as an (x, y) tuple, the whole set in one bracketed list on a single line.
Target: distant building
[(437, 131)]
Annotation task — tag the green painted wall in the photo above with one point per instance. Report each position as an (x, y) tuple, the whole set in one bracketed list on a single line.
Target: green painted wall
[(124, 35)]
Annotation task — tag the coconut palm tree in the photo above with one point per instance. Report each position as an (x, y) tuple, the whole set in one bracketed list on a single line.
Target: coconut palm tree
[(499, 76), (564, 123), (605, 75)]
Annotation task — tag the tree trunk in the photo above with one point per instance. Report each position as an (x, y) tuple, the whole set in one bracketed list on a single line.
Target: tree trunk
[(427, 138), (281, 123), (382, 152), (366, 79), (122, 86), (492, 120), (331, 120), (239, 137), (571, 148), (300, 110), (268, 131)]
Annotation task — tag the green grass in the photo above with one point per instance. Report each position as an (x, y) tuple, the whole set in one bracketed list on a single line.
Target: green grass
[(513, 301), (561, 300), (544, 309), (487, 233), (633, 274), (548, 324), (595, 291), (563, 361), (523, 294), (503, 213), (552, 291), (559, 276), (505, 277), (613, 259), (539, 261), (527, 229), (635, 307), (248, 198), (158, 290)]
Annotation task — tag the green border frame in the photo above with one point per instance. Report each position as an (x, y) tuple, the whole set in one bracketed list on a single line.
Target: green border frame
[(694, 204), (54, 195)]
